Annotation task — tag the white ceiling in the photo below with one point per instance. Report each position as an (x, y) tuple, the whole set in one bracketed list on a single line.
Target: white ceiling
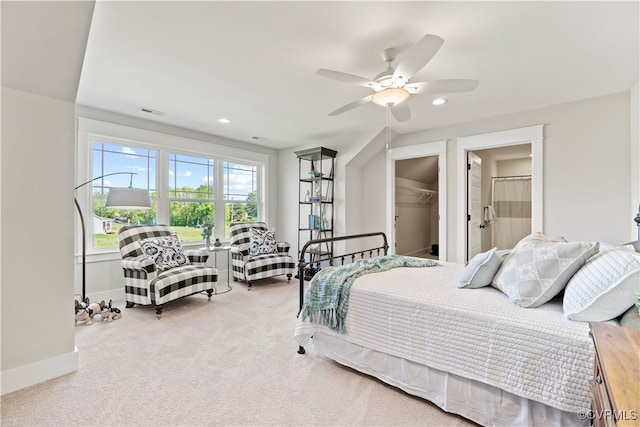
[(255, 62)]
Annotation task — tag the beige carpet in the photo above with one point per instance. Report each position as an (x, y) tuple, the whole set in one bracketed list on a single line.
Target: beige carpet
[(230, 362)]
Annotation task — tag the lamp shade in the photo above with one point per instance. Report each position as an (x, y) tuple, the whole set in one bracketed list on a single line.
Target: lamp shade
[(128, 198), (390, 96)]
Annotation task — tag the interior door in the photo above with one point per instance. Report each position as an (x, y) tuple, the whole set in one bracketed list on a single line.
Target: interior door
[(474, 205)]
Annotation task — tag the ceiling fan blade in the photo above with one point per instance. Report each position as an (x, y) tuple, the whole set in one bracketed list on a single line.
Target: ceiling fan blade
[(401, 112), (418, 56), (442, 86), (347, 78), (351, 105)]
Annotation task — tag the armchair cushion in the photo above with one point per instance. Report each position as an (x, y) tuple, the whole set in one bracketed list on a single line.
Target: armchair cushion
[(166, 252), (262, 242)]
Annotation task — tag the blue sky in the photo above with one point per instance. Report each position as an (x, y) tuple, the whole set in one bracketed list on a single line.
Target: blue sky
[(187, 171)]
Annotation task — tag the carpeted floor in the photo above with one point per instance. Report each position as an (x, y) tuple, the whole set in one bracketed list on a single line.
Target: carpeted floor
[(228, 362)]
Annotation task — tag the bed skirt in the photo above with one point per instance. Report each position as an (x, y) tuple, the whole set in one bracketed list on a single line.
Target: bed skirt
[(484, 404)]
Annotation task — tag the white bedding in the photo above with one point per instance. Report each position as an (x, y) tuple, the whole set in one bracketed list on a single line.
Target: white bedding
[(419, 314)]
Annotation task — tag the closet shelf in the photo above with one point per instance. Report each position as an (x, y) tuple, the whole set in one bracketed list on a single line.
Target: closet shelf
[(414, 196)]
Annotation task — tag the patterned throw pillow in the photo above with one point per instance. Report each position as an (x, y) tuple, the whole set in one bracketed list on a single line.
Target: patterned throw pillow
[(166, 252), (538, 268), (262, 242)]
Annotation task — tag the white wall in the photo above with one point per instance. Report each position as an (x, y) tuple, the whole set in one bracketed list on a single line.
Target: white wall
[(587, 175), (38, 340)]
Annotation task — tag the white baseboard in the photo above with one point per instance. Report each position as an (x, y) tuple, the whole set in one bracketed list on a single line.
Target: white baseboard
[(34, 373), (113, 294)]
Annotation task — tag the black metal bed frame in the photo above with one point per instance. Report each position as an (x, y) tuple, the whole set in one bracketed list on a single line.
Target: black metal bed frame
[(307, 269)]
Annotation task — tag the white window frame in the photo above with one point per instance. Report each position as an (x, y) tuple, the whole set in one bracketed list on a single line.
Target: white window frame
[(91, 129)]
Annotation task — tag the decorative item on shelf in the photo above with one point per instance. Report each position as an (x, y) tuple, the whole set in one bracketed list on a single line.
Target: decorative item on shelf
[(314, 222), (217, 243), (316, 174)]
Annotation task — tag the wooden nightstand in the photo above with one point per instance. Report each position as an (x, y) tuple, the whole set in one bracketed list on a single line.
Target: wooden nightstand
[(616, 380)]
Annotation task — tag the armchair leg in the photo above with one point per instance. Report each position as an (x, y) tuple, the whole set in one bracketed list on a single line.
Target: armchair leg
[(158, 311), (209, 293), (249, 283), (289, 277), (130, 304)]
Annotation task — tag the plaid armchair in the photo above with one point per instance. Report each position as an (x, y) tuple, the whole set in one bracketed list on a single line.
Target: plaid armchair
[(161, 276), (248, 267)]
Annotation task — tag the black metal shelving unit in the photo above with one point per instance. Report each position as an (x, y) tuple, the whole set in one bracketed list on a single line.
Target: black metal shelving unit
[(315, 201)]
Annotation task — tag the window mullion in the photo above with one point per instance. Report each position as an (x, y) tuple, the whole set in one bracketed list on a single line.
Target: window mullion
[(218, 201), (162, 192)]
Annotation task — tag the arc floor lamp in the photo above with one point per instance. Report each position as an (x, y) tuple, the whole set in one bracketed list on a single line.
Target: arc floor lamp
[(118, 198)]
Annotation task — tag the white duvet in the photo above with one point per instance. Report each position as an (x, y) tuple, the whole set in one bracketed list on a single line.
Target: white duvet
[(419, 314)]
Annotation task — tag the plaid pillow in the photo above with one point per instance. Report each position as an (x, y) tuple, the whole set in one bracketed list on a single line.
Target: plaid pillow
[(166, 252), (262, 242)]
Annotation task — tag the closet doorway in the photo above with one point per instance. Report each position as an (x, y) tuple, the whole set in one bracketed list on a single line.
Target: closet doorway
[(417, 207), (532, 135)]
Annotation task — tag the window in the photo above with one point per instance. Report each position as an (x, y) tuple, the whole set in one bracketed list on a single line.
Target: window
[(240, 193), (191, 195), (192, 183), (112, 159)]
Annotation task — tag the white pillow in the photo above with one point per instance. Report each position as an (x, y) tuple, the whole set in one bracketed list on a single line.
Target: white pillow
[(538, 268), (604, 288), (480, 270)]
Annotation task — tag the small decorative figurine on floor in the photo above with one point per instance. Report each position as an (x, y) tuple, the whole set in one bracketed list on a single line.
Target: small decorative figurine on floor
[(82, 313), (94, 308), (112, 313)]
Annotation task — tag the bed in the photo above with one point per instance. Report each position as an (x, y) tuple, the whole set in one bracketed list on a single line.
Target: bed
[(471, 351)]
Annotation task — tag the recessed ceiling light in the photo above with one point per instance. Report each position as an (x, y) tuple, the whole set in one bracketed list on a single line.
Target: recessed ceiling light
[(224, 120), (439, 101)]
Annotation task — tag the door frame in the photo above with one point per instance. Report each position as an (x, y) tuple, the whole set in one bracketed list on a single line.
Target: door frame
[(437, 148), (527, 135), (472, 158)]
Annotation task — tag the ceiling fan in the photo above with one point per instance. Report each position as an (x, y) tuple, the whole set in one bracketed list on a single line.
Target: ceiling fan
[(392, 86)]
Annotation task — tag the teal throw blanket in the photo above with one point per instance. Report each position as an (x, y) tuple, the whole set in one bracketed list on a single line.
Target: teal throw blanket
[(327, 298)]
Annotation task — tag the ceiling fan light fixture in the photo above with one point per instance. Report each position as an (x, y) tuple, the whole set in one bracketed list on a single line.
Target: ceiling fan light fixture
[(390, 96)]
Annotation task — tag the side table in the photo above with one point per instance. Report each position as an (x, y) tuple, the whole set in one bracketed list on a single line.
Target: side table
[(216, 250), (615, 385)]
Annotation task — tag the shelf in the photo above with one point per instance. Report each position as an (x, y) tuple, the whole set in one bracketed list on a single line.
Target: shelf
[(320, 178), (313, 154), (415, 196), (315, 200)]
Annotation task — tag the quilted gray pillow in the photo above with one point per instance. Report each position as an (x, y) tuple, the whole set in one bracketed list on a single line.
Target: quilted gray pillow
[(538, 268), (604, 288)]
